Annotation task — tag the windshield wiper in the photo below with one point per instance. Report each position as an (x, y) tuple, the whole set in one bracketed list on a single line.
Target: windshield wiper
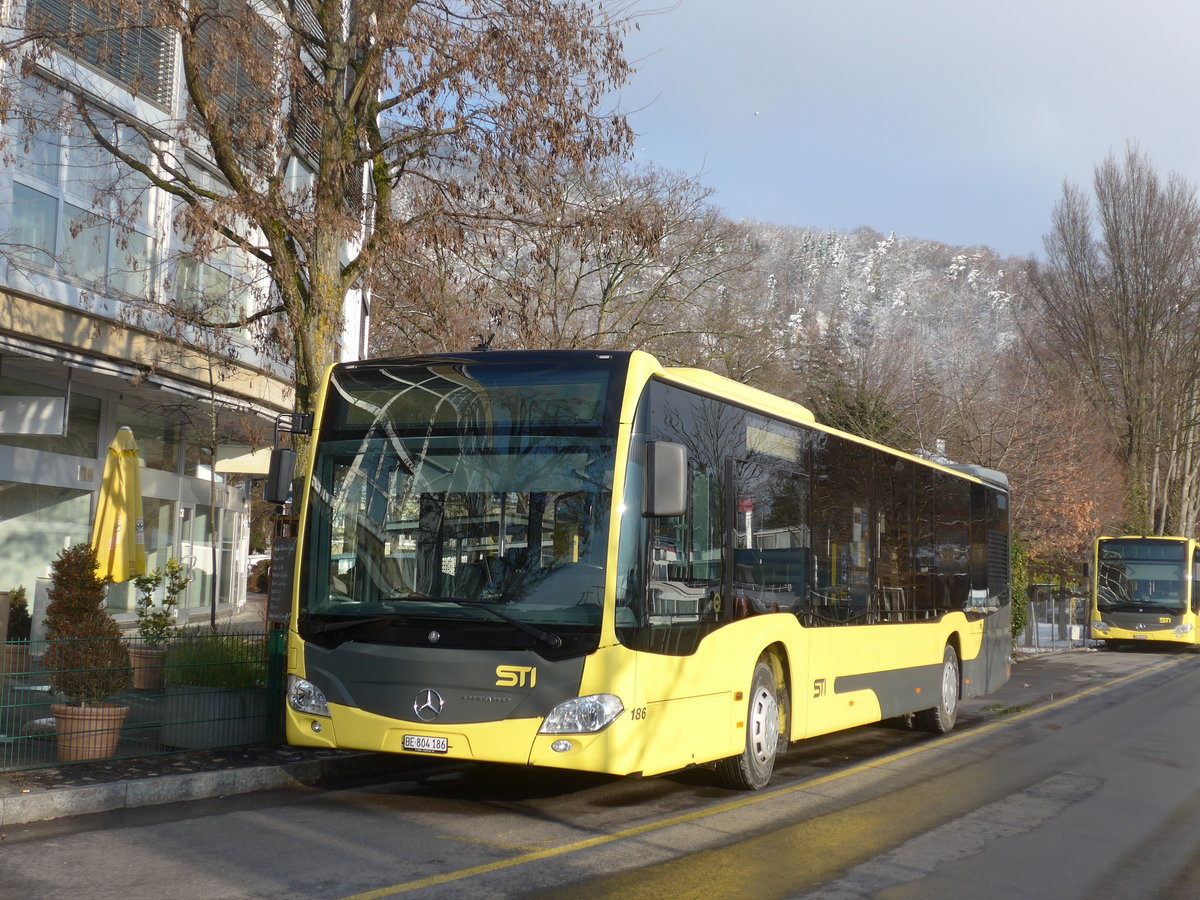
[(1127, 604), (545, 637), (326, 627)]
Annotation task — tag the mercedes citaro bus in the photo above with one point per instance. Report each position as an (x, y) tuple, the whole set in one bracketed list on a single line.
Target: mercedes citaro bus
[(1144, 589), (590, 561)]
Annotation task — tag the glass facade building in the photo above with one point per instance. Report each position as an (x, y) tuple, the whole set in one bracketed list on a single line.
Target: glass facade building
[(93, 265)]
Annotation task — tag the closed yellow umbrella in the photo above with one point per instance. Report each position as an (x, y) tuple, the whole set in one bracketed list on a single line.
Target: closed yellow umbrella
[(118, 534)]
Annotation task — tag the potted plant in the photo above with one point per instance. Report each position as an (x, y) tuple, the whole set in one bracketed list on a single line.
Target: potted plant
[(216, 690), (86, 660), (16, 647), (156, 623)]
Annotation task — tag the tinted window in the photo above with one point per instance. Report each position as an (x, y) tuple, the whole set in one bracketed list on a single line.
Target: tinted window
[(894, 520), (841, 525), (672, 571)]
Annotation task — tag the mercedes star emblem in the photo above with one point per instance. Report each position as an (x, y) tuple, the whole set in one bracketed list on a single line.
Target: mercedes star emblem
[(428, 705)]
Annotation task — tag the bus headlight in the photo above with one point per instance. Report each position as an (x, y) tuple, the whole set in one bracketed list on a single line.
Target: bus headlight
[(1183, 629), (305, 697), (1101, 627), (583, 715)]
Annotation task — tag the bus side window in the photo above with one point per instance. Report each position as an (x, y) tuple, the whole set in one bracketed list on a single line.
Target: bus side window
[(841, 533), (672, 569), (894, 537), (770, 538), (952, 539), (631, 544), (685, 557), (1196, 580)]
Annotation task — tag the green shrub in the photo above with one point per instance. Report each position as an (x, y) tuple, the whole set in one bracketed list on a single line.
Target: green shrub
[(156, 622), (85, 657), (259, 579), (20, 624), (1020, 588), (216, 659)]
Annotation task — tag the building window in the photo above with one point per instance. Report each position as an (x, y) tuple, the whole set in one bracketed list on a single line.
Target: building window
[(37, 522), (83, 421), (221, 283), (158, 437), (76, 214), (198, 463), (140, 58), (83, 244), (241, 75), (35, 225)]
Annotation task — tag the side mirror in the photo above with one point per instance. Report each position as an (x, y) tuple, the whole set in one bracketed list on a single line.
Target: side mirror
[(278, 488), (666, 479)]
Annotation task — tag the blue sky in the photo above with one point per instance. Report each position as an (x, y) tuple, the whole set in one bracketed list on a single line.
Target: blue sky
[(951, 121)]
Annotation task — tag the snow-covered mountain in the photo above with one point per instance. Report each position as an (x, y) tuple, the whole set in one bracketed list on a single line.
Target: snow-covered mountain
[(856, 287)]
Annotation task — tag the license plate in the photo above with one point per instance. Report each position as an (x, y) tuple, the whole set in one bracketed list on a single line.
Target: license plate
[(1141, 637), (421, 743)]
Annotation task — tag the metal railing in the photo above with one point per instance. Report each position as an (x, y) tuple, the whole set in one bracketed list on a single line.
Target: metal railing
[(1054, 625), (197, 691)]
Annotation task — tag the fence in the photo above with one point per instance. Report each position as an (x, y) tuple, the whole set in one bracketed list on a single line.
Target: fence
[(1055, 624), (199, 691)]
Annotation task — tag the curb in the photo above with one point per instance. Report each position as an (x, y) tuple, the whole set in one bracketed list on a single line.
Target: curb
[(57, 803)]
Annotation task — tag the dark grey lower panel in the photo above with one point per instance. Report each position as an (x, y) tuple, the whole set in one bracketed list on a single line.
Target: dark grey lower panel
[(474, 686)]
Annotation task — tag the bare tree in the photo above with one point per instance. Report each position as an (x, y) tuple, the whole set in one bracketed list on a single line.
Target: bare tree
[(1021, 412), (1120, 294), (632, 258), (316, 137)]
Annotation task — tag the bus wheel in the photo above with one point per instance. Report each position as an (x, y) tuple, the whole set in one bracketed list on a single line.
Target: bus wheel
[(940, 719), (1112, 645), (766, 733)]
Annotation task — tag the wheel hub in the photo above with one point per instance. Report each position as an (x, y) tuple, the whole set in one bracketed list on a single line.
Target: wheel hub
[(765, 726)]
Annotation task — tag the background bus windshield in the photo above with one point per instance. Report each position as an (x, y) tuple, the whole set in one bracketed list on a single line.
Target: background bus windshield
[(471, 495), (1141, 574)]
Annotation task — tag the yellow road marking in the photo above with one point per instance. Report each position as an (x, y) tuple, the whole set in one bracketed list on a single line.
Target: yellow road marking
[(750, 800), (489, 843)]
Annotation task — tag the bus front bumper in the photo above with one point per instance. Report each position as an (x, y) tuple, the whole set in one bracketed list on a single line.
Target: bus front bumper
[(514, 741), (1178, 634)]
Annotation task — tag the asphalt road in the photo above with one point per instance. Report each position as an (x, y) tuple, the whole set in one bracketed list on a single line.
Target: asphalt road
[(1078, 779)]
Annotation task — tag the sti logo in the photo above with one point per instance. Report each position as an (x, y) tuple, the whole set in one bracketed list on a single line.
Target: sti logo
[(515, 676)]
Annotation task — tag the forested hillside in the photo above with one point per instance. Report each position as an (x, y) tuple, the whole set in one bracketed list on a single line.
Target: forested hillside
[(913, 343), (863, 285)]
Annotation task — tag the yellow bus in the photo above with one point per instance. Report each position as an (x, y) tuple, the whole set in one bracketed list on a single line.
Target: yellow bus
[(1143, 589), (590, 561)]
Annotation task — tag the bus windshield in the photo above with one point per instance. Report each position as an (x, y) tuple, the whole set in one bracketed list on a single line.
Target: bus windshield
[(1138, 575), (460, 501)]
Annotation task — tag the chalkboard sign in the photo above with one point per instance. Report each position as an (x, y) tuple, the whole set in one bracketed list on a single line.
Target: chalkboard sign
[(283, 570)]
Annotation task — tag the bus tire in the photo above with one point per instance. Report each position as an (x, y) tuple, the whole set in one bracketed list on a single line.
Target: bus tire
[(767, 724), (1112, 645), (940, 719)]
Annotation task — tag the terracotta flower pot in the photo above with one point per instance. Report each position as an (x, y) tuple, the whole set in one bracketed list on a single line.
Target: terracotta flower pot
[(147, 665), (87, 732), (16, 658)]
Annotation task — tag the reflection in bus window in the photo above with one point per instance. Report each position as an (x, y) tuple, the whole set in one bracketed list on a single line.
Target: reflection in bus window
[(841, 533), (770, 538)]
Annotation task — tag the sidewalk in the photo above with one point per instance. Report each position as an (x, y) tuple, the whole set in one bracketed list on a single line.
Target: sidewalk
[(35, 795)]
